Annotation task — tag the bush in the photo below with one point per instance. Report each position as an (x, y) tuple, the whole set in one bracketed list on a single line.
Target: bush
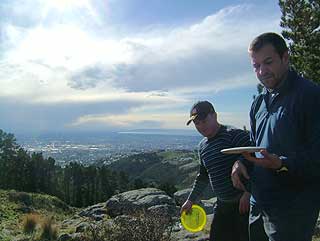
[(49, 230), (30, 222), (60, 204), (143, 226), (22, 197)]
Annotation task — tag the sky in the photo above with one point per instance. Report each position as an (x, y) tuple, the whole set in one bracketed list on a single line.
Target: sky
[(117, 65)]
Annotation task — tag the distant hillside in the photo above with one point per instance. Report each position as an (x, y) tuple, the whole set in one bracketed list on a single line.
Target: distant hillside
[(178, 168), (175, 167)]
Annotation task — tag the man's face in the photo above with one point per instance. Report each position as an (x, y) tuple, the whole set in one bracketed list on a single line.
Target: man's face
[(269, 67), (207, 126)]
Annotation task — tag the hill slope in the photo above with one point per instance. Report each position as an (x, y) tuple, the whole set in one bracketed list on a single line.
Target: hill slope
[(14, 206), (178, 168), (175, 167)]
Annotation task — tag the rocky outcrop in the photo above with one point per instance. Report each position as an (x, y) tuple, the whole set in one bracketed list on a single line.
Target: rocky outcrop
[(122, 209), (137, 200), (96, 212), (181, 196)]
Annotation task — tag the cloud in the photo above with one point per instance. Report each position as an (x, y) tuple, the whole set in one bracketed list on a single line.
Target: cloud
[(134, 120), (203, 54), (67, 67)]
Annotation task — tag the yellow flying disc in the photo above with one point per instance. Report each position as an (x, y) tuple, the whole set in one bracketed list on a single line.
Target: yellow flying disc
[(195, 220)]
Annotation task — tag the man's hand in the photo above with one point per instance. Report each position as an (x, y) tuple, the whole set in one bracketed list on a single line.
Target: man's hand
[(238, 171), (267, 160), (186, 206), (244, 203)]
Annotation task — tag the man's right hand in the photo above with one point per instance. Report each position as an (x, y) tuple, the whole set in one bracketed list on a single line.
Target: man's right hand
[(238, 172), (186, 206)]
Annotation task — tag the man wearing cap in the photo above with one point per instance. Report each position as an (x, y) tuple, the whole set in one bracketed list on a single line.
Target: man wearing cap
[(230, 220)]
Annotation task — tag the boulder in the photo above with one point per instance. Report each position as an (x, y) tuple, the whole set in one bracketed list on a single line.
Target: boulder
[(96, 212), (130, 202), (164, 210), (181, 196)]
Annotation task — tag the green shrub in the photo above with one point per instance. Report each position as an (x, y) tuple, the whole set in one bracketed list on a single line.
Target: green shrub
[(22, 197)]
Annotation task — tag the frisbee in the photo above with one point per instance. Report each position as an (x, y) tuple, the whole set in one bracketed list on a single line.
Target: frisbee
[(239, 150), (195, 219)]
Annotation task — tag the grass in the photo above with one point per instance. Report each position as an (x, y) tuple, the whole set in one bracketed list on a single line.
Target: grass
[(16, 224)]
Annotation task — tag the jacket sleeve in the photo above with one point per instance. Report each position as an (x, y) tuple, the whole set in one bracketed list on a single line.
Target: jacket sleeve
[(304, 162)]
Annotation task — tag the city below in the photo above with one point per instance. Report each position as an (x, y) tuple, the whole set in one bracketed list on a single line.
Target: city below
[(89, 148)]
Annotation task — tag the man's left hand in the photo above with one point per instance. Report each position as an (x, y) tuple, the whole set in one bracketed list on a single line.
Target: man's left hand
[(268, 160)]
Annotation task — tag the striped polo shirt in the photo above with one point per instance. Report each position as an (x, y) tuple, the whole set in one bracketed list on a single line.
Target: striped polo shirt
[(215, 167)]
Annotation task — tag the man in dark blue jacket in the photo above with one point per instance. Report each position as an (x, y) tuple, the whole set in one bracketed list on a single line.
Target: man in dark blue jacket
[(285, 123)]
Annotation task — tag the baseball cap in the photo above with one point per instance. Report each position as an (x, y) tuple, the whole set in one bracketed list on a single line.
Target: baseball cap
[(200, 110)]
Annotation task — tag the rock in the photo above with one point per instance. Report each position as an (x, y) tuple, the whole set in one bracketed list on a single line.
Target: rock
[(65, 237), (137, 200), (96, 212), (98, 217), (164, 210), (77, 236), (122, 219), (133, 208), (184, 235), (181, 196), (208, 205), (82, 227), (317, 228)]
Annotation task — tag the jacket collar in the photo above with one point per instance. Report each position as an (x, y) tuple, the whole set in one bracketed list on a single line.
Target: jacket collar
[(285, 84)]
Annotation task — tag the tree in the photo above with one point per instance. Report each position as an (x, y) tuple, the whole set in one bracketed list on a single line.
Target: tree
[(300, 20), (8, 159)]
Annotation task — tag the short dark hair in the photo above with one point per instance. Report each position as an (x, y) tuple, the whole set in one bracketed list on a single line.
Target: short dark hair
[(269, 38)]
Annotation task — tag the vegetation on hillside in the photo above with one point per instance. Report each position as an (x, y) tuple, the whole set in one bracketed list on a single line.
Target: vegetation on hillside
[(30, 215), (76, 184), (79, 185), (160, 167)]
